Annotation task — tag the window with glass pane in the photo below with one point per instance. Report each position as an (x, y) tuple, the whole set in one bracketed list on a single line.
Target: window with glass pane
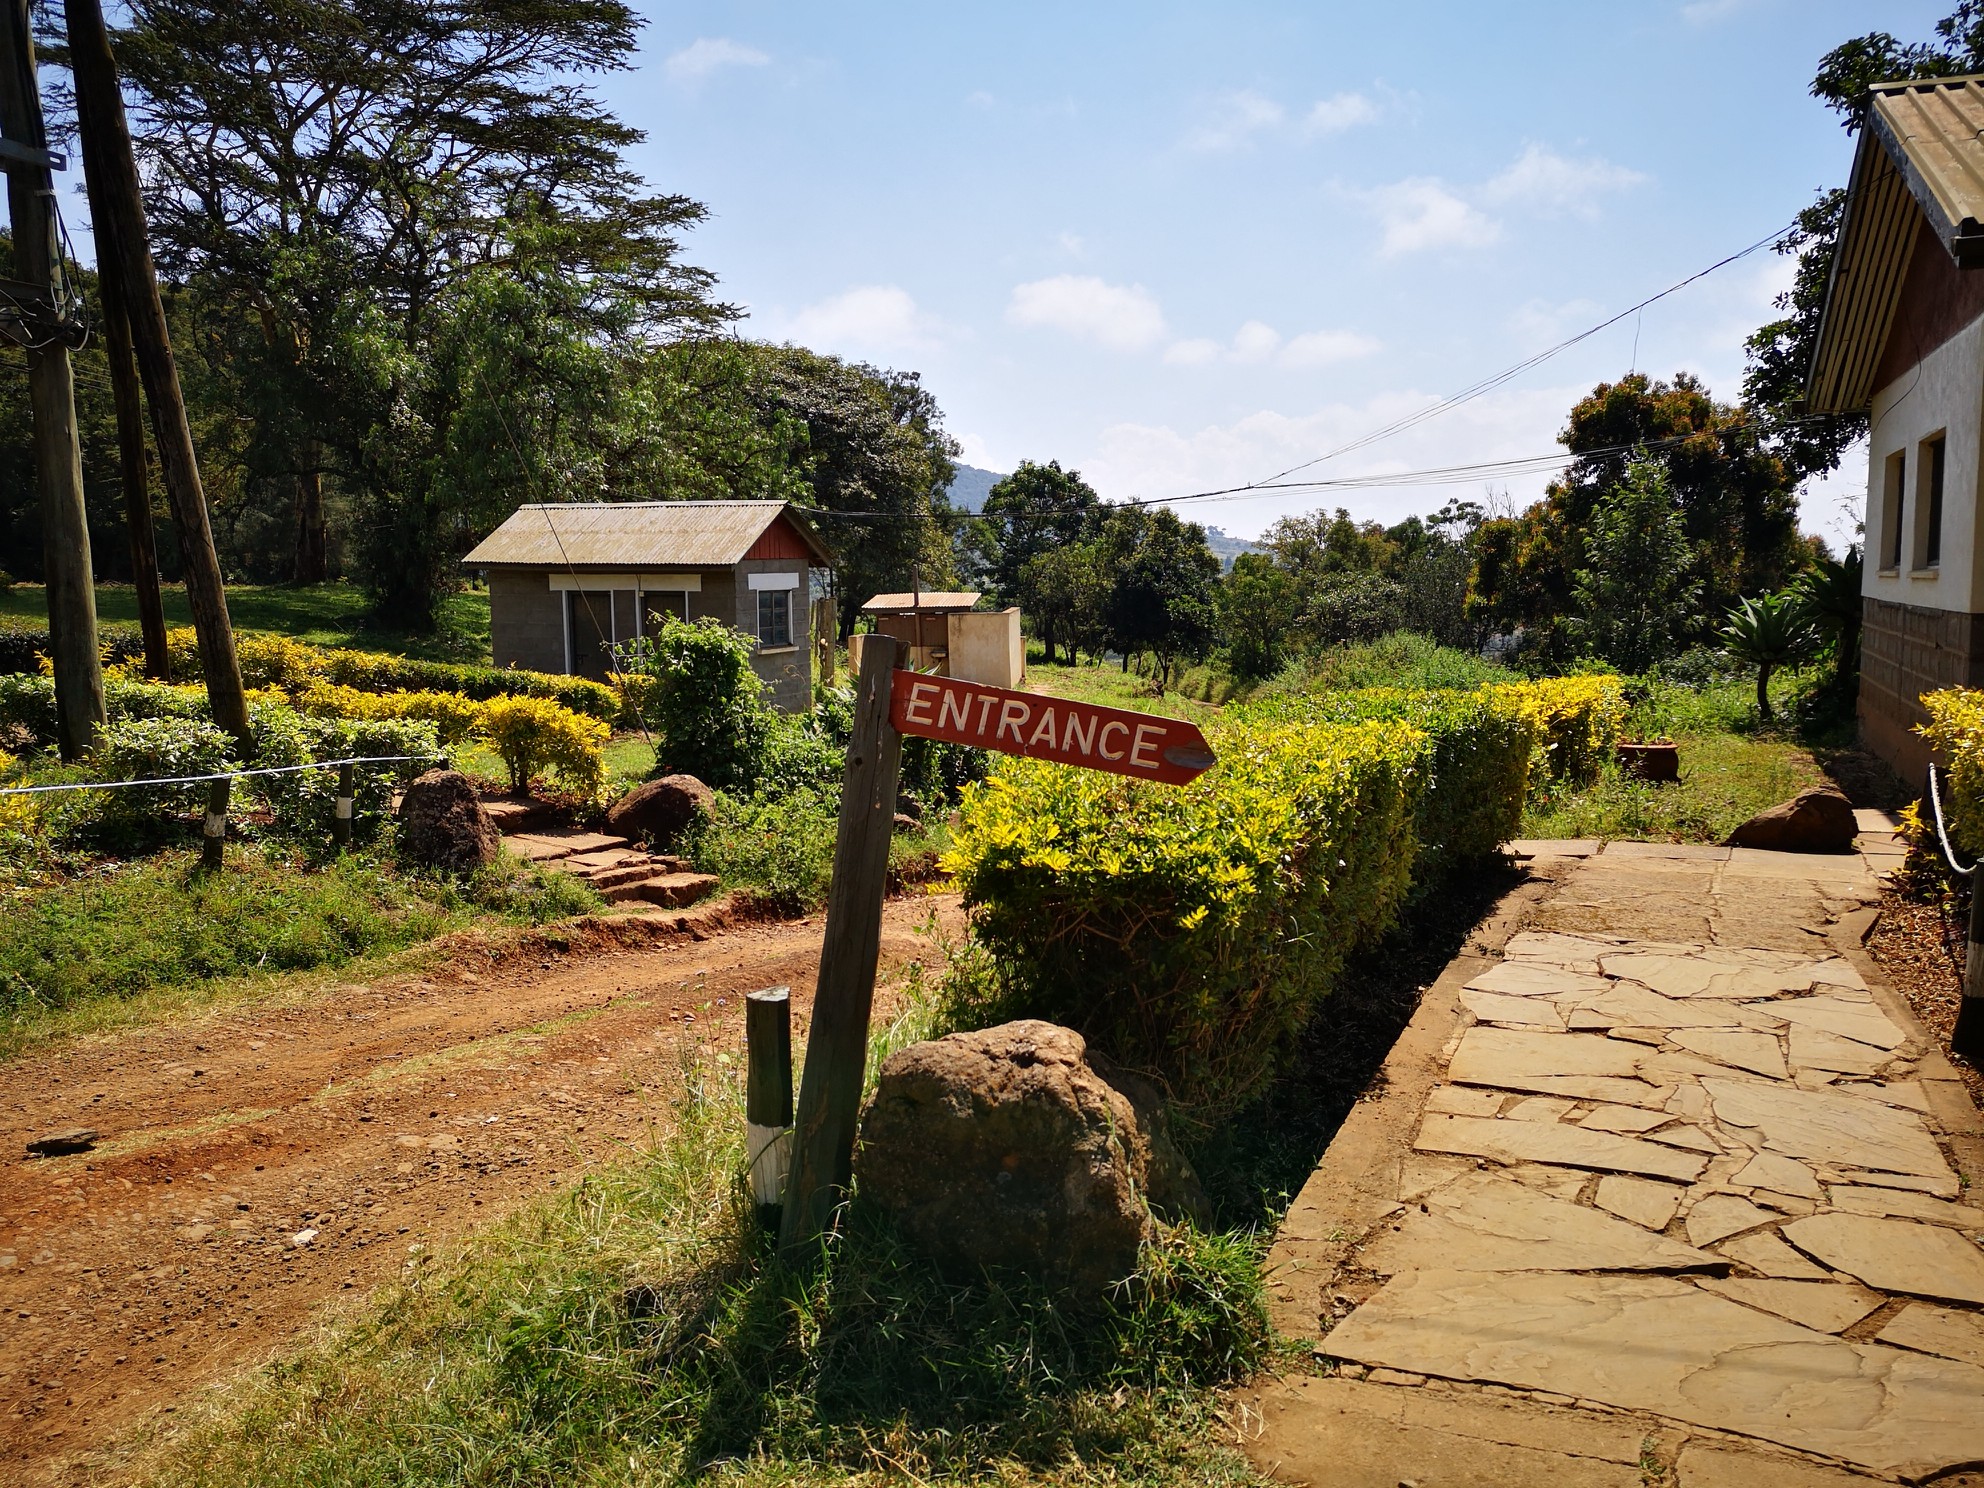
[(774, 617)]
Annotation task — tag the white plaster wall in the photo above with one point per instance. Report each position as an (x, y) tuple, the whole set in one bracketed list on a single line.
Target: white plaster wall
[(1945, 392)]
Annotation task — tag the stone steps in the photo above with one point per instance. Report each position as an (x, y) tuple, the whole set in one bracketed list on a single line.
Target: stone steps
[(622, 872)]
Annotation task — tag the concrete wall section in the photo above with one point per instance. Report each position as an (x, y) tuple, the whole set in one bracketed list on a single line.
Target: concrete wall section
[(1942, 396), (526, 621), (787, 670), (1905, 651)]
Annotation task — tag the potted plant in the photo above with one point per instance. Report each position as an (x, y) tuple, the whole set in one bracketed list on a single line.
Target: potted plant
[(1650, 759)]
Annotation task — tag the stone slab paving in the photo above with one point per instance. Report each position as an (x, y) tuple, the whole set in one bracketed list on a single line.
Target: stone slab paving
[(1660, 1148)]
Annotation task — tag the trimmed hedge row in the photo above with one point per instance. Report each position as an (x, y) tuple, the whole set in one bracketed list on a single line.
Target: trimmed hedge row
[(278, 661), (1191, 931)]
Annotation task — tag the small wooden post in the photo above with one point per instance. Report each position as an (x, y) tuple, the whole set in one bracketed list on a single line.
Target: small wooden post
[(213, 830), (347, 792), (768, 1096), (837, 1042), (1967, 1037)]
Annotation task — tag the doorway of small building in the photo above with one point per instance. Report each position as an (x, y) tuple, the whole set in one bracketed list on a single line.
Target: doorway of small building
[(589, 632), (658, 605)]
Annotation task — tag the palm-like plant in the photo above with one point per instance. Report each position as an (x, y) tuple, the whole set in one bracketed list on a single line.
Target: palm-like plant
[(1830, 592), (1770, 631)]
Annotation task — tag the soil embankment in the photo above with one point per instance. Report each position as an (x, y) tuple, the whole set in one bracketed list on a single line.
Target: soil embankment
[(258, 1162)]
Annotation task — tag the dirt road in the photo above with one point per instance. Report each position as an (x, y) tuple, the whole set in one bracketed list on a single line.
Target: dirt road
[(256, 1163)]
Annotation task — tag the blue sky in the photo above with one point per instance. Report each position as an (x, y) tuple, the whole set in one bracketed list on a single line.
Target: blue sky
[(1183, 247)]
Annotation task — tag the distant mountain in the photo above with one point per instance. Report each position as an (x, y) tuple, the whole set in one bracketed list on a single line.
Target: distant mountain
[(971, 486), (1228, 548)]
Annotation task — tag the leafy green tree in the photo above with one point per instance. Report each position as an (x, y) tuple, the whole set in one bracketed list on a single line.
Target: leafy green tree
[(1736, 501), (1634, 594), (1258, 606), (1780, 352), (1769, 631), (326, 178), (1163, 586), (1063, 592), (871, 449), (1035, 510)]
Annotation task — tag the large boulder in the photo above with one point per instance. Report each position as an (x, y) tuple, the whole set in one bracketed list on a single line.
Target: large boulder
[(1819, 820), (1011, 1147), (659, 810), (443, 825)]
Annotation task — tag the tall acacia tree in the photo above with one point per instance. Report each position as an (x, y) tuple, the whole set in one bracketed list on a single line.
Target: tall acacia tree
[(334, 181)]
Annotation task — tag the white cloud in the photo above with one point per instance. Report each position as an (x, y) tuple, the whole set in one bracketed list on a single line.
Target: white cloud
[(1193, 353), (1543, 180), (1708, 12), (1073, 245), (706, 54), (1538, 323), (1235, 118), (1120, 317), (1162, 461), (1255, 342), (1324, 348), (1424, 212), (980, 99), (866, 318), (1420, 213), (1344, 111), (972, 450)]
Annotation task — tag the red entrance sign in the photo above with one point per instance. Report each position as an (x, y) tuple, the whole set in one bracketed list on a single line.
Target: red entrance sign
[(1033, 724)]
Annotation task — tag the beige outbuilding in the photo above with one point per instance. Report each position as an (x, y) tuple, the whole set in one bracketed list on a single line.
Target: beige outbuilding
[(568, 581)]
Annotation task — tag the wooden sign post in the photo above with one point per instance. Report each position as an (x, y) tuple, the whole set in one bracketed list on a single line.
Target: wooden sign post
[(888, 704), (837, 1039)]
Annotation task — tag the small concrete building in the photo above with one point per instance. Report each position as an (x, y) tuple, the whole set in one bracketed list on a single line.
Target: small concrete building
[(567, 581), (1901, 338)]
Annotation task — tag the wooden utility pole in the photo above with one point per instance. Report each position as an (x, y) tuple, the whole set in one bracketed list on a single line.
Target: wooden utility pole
[(837, 1042), (121, 210), (128, 397), (58, 456)]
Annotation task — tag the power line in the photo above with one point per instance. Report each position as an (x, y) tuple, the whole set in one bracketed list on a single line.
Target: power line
[(1489, 384)]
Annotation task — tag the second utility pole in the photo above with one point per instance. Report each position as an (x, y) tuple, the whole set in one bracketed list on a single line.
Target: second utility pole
[(58, 456)]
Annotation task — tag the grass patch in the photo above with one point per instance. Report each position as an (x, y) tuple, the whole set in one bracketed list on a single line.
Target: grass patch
[(1113, 688), (124, 942), (1733, 765), (638, 1330), (320, 614), (778, 850)]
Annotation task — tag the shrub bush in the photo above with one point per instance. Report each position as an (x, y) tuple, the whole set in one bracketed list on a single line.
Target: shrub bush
[(1955, 730), (533, 735), (152, 749), (1190, 931), (454, 715), (777, 849), (1481, 745), (704, 700), (27, 709), (1579, 719), (304, 802)]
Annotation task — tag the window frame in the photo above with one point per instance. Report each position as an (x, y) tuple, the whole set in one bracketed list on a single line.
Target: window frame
[(1893, 509), (775, 607)]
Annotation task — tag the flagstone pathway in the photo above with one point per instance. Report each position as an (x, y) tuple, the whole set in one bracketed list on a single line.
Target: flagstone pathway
[(1663, 1186)]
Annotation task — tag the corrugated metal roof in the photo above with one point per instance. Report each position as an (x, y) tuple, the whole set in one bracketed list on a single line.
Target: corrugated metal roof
[(635, 534), (1920, 160), (929, 599)]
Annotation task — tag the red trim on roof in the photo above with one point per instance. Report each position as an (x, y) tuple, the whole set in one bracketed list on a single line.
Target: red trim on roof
[(780, 540)]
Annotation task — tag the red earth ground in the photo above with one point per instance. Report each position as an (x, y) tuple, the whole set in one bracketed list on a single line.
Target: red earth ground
[(259, 1161)]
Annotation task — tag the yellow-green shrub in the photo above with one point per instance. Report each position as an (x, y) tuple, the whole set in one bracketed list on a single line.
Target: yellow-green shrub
[(1190, 931), (1955, 731), (454, 716), (535, 734), (1579, 719), (1480, 747)]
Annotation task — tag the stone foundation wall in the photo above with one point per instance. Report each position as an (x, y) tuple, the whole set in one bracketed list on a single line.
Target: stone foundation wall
[(1905, 651)]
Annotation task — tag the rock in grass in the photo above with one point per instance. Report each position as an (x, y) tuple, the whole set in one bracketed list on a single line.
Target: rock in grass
[(1816, 820), (62, 1143), (1011, 1147), (659, 810), (443, 824)]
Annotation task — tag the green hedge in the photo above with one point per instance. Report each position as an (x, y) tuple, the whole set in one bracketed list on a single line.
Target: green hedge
[(1190, 932)]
